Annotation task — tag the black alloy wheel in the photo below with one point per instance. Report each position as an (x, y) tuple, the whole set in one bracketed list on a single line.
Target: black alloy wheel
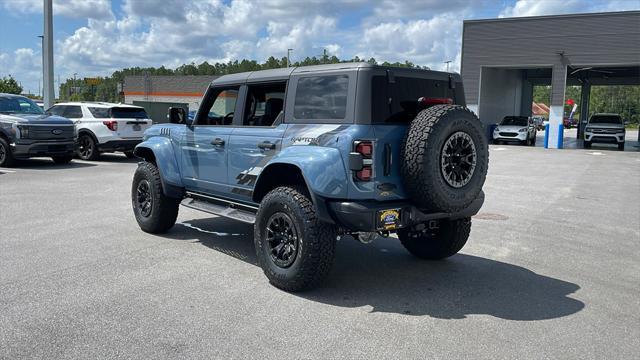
[(3, 153), (86, 147), (283, 239), (458, 161), (144, 199)]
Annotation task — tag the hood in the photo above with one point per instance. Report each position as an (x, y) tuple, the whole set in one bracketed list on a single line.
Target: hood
[(606, 126), (36, 119), (510, 128)]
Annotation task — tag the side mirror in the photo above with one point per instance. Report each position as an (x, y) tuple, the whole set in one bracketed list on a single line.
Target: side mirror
[(178, 115)]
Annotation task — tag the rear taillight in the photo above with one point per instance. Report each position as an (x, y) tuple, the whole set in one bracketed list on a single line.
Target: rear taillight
[(364, 150), (428, 101), (111, 124)]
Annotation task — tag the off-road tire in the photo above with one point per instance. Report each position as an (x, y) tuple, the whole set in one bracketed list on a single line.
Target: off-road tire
[(164, 209), (436, 244), (316, 246), (129, 155), (621, 146), (421, 157), (62, 160), (94, 154), (6, 157)]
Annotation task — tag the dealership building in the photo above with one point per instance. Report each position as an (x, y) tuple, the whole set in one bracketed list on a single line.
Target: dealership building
[(502, 59), (157, 93)]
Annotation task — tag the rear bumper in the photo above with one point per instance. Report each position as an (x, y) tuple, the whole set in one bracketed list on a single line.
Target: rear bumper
[(27, 149), (364, 215), (119, 145)]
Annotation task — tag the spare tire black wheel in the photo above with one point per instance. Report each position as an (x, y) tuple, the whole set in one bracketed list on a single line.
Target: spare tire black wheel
[(445, 158)]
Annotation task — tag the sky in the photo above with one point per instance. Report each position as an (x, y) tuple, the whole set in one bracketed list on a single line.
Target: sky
[(97, 37)]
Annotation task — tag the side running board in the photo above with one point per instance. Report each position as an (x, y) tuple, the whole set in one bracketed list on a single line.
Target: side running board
[(217, 207)]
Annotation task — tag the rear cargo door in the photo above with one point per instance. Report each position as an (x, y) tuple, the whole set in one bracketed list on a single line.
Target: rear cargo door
[(132, 121), (396, 99)]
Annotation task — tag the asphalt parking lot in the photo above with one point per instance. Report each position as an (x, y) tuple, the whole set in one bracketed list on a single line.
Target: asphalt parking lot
[(551, 270)]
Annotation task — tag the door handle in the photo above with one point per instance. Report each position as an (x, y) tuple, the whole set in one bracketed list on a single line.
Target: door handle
[(266, 145), (217, 142)]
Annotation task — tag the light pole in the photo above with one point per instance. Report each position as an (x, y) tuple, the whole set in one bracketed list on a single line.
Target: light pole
[(75, 88), (289, 57), (40, 84), (47, 55), (447, 62)]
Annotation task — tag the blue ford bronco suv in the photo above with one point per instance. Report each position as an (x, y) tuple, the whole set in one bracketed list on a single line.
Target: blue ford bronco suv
[(310, 154)]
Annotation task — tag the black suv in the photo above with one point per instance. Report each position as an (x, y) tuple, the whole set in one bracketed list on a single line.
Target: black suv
[(25, 131)]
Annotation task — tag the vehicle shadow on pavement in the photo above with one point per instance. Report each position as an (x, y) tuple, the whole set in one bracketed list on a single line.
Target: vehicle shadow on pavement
[(48, 164), (117, 158), (384, 276)]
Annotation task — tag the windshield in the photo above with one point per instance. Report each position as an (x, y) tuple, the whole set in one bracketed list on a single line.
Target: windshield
[(19, 105), (515, 120), (605, 119)]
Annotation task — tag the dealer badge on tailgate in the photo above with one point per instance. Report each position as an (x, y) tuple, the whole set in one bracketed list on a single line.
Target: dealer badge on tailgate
[(389, 219)]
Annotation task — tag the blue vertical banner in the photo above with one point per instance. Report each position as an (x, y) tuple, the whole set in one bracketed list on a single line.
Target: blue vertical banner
[(560, 136), (546, 136)]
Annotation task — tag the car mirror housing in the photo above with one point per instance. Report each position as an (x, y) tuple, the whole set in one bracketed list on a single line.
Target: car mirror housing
[(178, 115)]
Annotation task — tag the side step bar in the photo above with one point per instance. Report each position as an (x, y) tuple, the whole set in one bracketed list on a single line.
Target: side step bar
[(219, 207)]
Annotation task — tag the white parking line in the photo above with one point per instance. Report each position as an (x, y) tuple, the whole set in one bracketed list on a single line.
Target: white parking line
[(6, 171)]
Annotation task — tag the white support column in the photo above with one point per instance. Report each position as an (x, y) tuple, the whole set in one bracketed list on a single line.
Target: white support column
[(558, 86)]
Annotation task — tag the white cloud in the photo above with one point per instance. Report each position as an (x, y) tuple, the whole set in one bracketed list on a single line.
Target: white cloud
[(427, 42), (24, 65), (304, 37), (94, 9), (539, 7), (556, 7)]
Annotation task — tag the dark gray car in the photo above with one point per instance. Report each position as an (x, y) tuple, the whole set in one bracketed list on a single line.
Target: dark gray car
[(25, 131)]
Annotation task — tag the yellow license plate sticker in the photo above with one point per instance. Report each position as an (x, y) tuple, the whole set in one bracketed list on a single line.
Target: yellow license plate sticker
[(389, 219)]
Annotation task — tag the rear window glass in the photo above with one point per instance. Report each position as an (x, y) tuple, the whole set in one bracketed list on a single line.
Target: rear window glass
[(99, 113), (605, 119), (398, 102), (128, 113), (321, 97)]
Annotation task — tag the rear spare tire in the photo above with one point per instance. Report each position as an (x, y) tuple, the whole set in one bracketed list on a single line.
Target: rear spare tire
[(445, 158)]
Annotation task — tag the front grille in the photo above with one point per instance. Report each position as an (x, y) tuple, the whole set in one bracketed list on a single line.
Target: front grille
[(508, 134), (604, 131), (50, 132)]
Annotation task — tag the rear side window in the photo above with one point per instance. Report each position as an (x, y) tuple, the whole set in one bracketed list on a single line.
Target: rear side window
[(321, 97), (72, 112), (398, 102), (128, 113), (99, 112)]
